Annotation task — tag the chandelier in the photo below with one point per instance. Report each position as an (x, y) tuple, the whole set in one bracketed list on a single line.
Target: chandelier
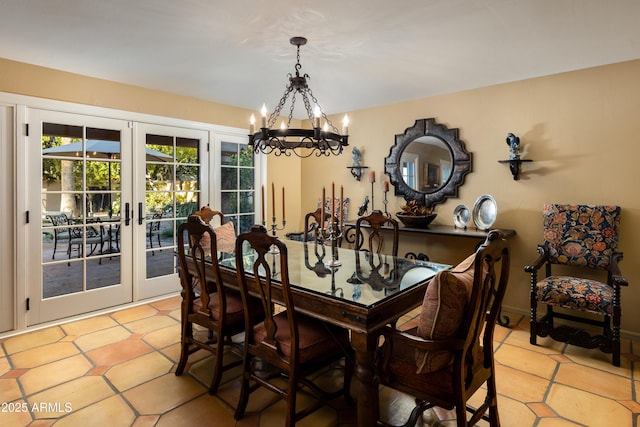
[(320, 140)]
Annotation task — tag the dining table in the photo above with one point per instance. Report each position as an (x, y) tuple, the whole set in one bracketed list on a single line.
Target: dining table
[(357, 290)]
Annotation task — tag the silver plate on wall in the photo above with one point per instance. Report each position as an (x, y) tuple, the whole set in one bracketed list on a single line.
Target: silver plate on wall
[(485, 211), (461, 216)]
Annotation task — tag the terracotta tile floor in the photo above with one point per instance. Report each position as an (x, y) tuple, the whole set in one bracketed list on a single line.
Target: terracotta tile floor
[(118, 370)]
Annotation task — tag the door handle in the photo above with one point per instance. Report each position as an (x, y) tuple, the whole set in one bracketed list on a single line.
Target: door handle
[(140, 217), (127, 216)]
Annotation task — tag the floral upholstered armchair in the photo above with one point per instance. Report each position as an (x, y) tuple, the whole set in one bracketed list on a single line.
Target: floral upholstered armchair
[(579, 236)]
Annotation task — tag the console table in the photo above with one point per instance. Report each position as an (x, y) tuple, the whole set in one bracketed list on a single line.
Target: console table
[(433, 229)]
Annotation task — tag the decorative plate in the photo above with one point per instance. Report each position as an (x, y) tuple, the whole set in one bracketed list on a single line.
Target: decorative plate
[(461, 216), (485, 211)]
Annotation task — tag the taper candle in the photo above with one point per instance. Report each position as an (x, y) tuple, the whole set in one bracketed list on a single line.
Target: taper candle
[(372, 177), (322, 208), (385, 187), (283, 203), (273, 199), (262, 200), (341, 205), (333, 202)]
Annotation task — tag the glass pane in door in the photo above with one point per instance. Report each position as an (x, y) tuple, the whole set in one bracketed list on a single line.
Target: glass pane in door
[(172, 194), (237, 185), (80, 209)]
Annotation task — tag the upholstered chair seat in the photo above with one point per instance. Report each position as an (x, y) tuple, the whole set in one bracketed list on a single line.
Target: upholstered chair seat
[(313, 342), (576, 293)]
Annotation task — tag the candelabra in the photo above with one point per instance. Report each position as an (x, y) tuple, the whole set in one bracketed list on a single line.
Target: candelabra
[(274, 227), (332, 233)]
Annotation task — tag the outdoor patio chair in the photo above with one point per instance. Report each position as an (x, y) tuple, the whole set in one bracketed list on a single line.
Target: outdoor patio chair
[(154, 230), (60, 222)]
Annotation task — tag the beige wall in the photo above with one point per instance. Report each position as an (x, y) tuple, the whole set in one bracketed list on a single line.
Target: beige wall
[(580, 128)]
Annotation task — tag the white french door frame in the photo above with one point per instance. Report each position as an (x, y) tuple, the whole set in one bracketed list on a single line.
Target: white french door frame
[(19, 209)]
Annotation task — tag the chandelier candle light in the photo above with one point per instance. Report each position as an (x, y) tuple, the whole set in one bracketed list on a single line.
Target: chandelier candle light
[(321, 140)]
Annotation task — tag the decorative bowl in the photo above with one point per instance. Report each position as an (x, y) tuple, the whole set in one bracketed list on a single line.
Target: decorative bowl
[(416, 221)]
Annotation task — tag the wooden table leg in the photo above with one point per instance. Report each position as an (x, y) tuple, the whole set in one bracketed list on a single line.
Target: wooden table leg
[(366, 391)]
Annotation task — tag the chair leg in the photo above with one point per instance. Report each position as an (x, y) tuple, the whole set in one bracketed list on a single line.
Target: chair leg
[(244, 389), (615, 338), (187, 331), (291, 400), (461, 415), (494, 418), (217, 365), (533, 324)]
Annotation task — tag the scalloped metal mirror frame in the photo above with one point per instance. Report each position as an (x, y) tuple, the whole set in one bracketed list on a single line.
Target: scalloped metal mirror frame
[(461, 162)]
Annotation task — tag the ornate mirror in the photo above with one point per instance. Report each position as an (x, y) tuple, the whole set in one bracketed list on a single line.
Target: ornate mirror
[(427, 163)]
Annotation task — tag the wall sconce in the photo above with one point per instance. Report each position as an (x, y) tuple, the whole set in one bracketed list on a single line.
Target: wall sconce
[(356, 167), (514, 156)]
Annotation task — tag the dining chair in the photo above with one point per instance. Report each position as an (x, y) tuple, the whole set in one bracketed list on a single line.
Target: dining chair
[(60, 223), (312, 222), (290, 344), (154, 230), (376, 220), (583, 238), (86, 233), (205, 300), (448, 356)]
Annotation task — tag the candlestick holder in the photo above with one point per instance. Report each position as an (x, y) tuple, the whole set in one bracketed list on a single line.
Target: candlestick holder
[(372, 205), (384, 202), (274, 227), (332, 233)]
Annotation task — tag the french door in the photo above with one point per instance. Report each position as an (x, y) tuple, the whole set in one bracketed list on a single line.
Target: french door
[(80, 168), (174, 163), (111, 195)]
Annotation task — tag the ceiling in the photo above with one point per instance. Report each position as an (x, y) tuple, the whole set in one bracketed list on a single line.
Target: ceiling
[(360, 54)]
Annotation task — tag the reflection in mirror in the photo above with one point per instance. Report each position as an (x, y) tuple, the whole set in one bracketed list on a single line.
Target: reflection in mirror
[(427, 163)]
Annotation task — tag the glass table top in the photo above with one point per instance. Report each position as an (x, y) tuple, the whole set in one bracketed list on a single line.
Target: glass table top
[(361, 278)]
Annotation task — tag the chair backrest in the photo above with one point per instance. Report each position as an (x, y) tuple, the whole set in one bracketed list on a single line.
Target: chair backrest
[(581, 235), (194, 274), (60, 222), (154, 225), (259, 282), (376, 220), (207, 214), (312, 223), (491, 275)]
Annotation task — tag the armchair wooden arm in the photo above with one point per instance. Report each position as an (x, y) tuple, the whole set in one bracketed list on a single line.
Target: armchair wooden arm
[(539, 262), (391, 334)]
